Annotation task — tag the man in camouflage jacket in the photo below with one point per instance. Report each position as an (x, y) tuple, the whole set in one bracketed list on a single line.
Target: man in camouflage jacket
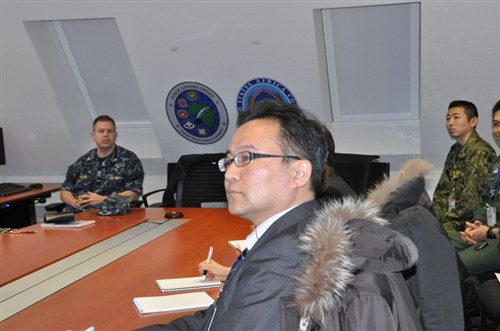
[(460, 187), (108, 169)]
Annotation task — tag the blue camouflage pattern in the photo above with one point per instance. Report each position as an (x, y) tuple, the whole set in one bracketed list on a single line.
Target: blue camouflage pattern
[(120, 171)]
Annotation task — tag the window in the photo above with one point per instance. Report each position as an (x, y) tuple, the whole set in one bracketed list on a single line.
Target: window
[(372, 60), (91, 74)]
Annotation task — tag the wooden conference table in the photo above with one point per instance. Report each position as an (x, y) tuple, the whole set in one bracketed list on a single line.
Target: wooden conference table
[(103, 298), (22, 254)]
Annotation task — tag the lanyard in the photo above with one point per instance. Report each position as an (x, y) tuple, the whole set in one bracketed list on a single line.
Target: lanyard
[(494, 188)]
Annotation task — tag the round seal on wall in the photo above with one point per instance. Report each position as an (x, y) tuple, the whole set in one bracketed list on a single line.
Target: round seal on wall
[(196, 112), (260, 89)]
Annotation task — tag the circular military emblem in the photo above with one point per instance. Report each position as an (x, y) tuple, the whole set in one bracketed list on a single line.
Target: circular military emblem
[(196, 113), (260, 89)]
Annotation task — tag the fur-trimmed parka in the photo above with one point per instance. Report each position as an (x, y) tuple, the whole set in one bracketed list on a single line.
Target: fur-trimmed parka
[(434, 282), (353, 279)]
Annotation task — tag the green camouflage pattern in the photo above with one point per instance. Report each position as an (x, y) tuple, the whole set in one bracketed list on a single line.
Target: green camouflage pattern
[(462, 180)]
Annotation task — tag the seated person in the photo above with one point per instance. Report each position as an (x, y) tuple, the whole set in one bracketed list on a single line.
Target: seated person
[(336, 188), (460, 186), (105, 170), (477, 260), (274, 171)]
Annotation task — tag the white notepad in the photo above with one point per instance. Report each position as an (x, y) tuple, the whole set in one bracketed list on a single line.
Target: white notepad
[(75, 224), (166, 303), (240, 245), (186, 284)]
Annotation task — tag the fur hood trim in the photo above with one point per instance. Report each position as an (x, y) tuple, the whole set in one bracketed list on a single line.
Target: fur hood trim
[(410, 171), (328, 241)]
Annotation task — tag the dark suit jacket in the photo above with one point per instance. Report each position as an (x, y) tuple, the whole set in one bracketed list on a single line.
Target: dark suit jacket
[(252, 297)]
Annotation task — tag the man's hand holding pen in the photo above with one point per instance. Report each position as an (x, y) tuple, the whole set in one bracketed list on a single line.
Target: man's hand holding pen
[(214, 270), (209, 257), (211, 269)]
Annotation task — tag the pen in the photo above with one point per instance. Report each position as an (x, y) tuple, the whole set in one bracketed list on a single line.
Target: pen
[(22, 231), (210, 252)]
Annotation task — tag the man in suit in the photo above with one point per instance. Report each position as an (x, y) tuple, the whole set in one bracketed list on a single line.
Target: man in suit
[(274, 170)]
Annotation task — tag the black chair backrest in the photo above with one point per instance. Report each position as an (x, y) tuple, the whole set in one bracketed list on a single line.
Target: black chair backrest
[(201, 180), (377, 173), (360, 171)]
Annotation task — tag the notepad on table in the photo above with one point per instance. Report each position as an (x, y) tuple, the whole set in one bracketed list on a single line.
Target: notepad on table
[(240, 245), (166, 303), (186, 284), (74, 224)]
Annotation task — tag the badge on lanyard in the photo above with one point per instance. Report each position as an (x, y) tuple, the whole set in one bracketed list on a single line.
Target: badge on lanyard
[(451, 205), (494, 187), (491, 215)]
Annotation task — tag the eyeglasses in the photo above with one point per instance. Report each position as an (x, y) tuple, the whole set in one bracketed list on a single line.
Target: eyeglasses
[(244, 158)]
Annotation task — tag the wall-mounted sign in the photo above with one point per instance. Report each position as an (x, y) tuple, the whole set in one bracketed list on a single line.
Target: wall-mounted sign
[(260, 89), (196, 112)]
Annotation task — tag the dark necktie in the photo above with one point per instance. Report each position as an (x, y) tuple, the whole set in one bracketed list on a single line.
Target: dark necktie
[(233, 268), (237, 263)]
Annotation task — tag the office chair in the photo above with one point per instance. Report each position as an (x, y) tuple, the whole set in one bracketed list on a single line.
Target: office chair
[(360, 171), (195, 181)]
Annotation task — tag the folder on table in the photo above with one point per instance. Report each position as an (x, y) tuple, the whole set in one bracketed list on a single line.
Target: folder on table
[(240, 245), (73, 224)]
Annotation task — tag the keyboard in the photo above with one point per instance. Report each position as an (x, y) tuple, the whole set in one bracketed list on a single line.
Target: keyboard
[(11, 188)]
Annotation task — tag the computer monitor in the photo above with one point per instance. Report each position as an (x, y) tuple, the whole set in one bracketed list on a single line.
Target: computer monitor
[(2, 148)]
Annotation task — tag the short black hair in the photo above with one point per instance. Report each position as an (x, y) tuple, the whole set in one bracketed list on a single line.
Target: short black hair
[(496, 108), (470, 109), (330, 143), (103, 118), (299, 135)]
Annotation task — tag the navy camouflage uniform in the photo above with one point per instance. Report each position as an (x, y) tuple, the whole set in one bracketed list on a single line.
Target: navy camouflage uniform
[(120, 171), (462, 180)]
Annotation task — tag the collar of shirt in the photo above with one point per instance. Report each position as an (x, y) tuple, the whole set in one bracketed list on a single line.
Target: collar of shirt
[(259, 231)]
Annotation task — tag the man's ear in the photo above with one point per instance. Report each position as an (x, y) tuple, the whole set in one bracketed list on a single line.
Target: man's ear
[(302, 172), (473, 122)]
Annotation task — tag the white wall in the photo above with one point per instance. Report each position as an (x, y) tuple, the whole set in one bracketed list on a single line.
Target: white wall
[(223, 44)]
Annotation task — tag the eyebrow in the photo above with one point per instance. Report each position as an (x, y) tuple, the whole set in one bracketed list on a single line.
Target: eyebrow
[(248, 147)]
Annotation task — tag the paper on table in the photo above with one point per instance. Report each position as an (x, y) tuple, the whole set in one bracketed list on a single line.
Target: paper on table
[(75, 224), (186, 284), (166, 303), (240, 245), (498, 276)]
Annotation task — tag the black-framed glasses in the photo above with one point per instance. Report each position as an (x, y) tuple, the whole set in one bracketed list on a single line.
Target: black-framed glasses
[(244, 158)]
